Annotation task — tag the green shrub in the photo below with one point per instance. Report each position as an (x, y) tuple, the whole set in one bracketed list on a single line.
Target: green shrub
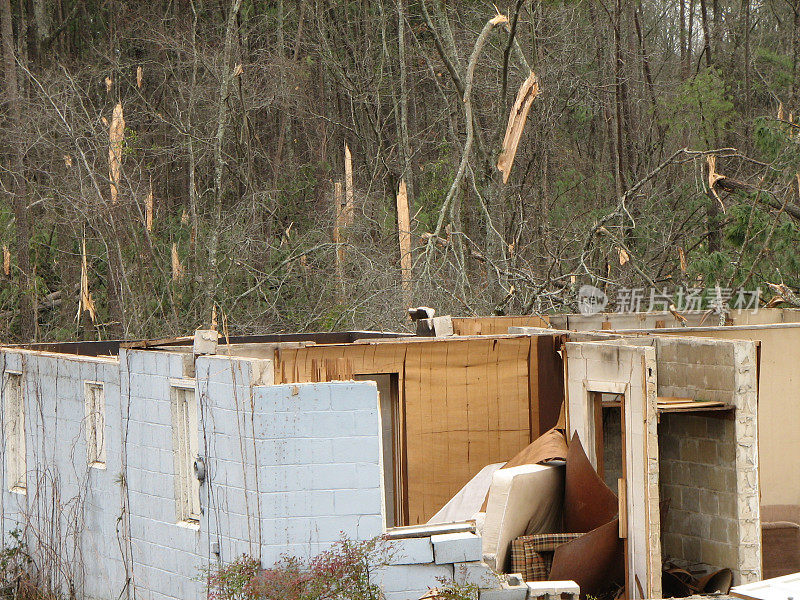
[(339, 573)]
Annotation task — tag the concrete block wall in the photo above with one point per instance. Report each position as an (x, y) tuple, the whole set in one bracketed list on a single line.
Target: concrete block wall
[(748, 490), (612, 446), (709, 464), (697, 474), (616, 368), (320, 465), (286, 471), (70, 509), (695, 368), (288, 467), (165, 555)]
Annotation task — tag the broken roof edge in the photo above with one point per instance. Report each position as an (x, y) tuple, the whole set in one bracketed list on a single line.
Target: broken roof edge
[(105, 358), (111, 348)]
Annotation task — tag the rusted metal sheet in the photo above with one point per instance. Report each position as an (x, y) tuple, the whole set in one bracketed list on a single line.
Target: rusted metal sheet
[(588, 501), (679, 583), (552, 445), (595, 561)]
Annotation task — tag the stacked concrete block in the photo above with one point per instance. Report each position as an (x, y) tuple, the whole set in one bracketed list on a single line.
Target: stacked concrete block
[(418, 565), (162, 551), (475, 573), (698, 475), (695, 368), (456, 547), (411, 551), (205, 342), (510, 587), (612, 447), (287, 468), (308, 438), (410, 582), (84, 498), (553, 590), (748, 500)]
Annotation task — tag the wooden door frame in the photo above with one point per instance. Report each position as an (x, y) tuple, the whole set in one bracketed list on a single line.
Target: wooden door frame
[(595, 404), (399, 462)]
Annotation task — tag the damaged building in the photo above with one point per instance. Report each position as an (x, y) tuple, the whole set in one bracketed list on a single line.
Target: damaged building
[(529, 456)]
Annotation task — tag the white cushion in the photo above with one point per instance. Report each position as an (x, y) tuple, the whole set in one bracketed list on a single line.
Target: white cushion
[(522, 501)]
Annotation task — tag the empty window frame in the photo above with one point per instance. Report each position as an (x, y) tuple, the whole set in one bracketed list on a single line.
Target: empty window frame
[(14, 433), (95, 408), (185, 441)]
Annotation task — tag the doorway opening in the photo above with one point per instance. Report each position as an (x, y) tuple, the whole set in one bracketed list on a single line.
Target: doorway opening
[(393, 488)]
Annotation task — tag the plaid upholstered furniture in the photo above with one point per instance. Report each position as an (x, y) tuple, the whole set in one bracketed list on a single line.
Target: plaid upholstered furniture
[(532, 555)]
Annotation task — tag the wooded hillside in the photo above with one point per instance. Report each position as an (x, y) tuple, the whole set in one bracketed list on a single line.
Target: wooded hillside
[(165, 161)]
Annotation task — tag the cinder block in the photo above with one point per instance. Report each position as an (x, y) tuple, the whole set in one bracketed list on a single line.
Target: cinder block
[(411, 551), (332, 477), (355, 449), (366, 421), (442, 326), (228, 370), (205, 341), (349, 395), (369, 475), (505, 592), (537, 589), (400, 578), (332, 423), (475, 573), (357, 502), (456, 547)]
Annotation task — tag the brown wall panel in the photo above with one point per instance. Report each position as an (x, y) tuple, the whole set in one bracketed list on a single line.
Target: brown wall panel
[(549, 385)]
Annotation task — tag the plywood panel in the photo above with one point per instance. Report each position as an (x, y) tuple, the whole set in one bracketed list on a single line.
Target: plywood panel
[(473, 398)]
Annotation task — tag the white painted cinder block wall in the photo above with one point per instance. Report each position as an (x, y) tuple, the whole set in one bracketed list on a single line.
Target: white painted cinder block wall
[(288, 468), (60, 483)]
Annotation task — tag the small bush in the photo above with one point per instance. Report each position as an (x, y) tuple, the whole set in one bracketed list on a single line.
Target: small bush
[(340, 573), (18, 574), (450, 590)]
